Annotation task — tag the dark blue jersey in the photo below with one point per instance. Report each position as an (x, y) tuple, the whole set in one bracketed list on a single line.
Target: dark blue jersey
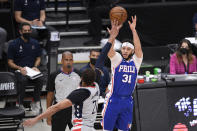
[(24, 53)]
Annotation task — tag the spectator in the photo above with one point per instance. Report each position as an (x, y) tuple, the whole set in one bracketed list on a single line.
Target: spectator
[(3, 37), (183, 61), (97, 9), (32, 12), (25, 51), (104, 78), (61, 83)]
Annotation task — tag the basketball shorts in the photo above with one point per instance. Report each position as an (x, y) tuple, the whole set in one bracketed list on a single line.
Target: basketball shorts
[(118, 113)]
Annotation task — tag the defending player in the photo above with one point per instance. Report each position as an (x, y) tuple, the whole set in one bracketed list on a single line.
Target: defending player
[(118, 107), (84, 100)]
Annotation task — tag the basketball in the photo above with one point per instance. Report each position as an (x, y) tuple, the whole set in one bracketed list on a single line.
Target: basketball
[(118, 13)]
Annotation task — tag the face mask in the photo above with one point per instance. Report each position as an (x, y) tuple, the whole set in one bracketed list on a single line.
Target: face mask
[(184, 51), (93, 61), (68, 66), (26, 35)]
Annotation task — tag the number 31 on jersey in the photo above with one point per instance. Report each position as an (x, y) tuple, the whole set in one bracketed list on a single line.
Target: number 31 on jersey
[(126, 78)]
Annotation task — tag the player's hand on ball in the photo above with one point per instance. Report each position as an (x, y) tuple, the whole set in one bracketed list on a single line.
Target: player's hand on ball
[(115, 27), (133, 24), (118, 13)]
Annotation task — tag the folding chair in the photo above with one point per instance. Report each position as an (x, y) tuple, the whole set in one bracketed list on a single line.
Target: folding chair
[(10, 117)]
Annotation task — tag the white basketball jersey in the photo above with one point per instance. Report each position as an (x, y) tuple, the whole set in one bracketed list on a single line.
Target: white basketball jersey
[(85, 113)]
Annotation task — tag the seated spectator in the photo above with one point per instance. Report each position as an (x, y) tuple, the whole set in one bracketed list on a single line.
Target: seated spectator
[(97, 9), (3, 37), (104, 79), (32, 12), (183, 61), (25, 51)]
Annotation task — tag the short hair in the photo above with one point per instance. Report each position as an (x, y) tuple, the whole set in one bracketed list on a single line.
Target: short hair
[(95, 50), (24, 24), (67, 53), (128, 40), (88, 76)]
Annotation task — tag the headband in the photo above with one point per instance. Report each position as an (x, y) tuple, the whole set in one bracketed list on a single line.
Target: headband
[(127, 44)]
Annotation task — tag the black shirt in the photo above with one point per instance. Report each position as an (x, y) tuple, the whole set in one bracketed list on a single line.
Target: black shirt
[(30, 8)]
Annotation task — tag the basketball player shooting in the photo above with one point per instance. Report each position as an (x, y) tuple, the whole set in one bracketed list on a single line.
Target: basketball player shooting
[(118, 106)]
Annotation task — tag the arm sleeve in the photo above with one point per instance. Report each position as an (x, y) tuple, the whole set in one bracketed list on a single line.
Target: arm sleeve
[(11, 52), (42, 5), (18, 5), (51, 82), (78, 95), (108, 76), (138, 61), (116, 59), (172, 64), (100, 62)]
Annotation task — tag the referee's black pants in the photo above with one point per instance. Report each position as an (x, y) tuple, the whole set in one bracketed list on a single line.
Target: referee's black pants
[(61, 119)]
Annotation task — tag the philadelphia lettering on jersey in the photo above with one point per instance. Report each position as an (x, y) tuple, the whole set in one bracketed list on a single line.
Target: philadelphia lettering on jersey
[(124, 75), (125, 68), (124, 78)]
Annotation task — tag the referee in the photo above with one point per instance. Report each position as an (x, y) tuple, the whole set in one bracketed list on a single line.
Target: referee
[(60, 84)]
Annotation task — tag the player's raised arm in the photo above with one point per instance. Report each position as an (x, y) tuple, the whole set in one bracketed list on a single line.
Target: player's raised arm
[(108, 49), (136, 40), (115, 27), (49, 112)]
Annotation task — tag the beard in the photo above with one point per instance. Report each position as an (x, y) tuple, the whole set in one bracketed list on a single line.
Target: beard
[(129, 56)]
